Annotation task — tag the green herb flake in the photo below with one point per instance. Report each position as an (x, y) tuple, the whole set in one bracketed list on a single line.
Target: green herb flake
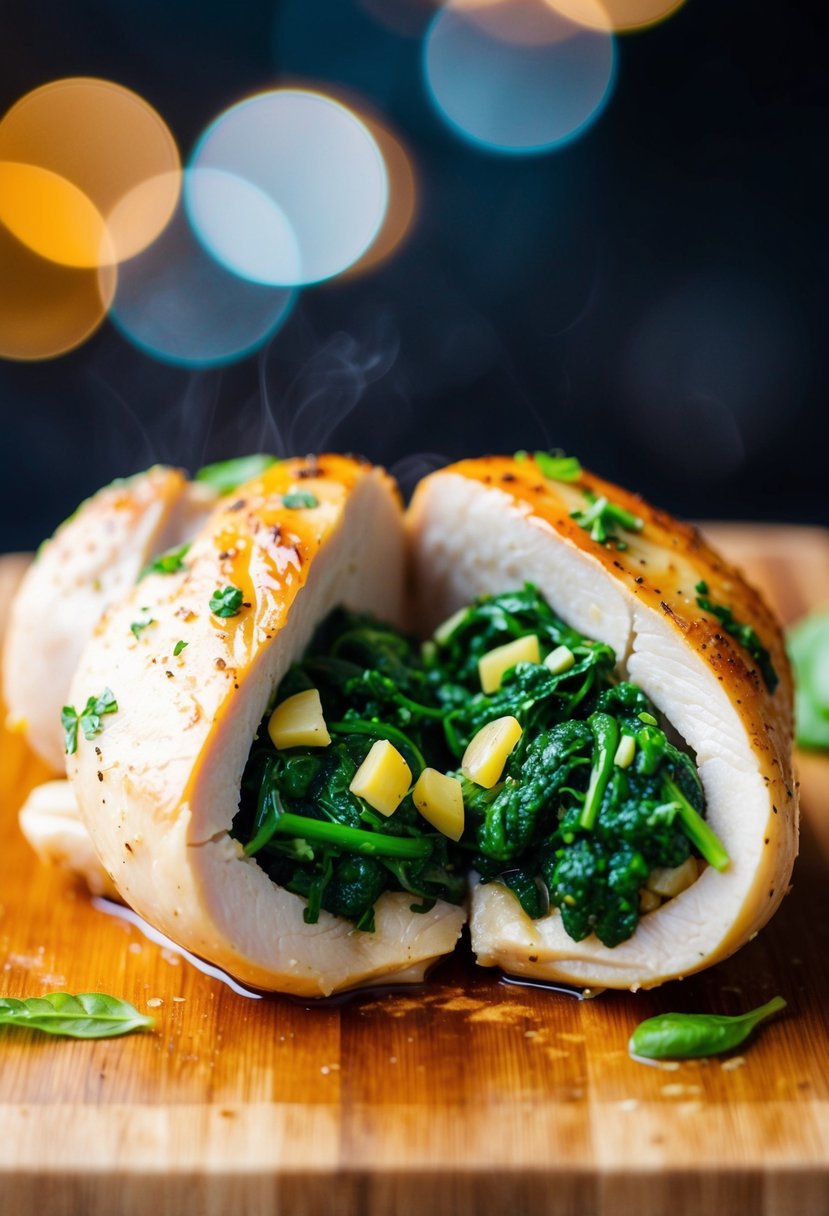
[(744, 634), (601, 516), (89, 1015), (299, 500), (227, 602), (69, 722), (89, 720), (693, 1036), (558, 467), (170, 562), (227, 475), (138, 627), (521, 456), (179, 646)]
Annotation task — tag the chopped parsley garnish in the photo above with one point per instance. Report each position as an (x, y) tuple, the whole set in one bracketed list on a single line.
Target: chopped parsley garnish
[(138, 627), (227, 475), (558, 467), (170, 562), (227, 602), (744, 634), (179, 646), (89, 719), (299, 499), (553, 465), (602, 516)]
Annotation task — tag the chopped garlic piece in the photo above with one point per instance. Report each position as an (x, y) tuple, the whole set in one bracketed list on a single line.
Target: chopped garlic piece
[(649, 901), (383, 778), (669, 881), (559, 660), (298, 722), (439, 799), (625, 751), (485, 757), (493, 666), (444, 632)]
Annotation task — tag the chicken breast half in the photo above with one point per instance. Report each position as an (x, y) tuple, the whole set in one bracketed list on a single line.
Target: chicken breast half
[(159, 787), (484, 526), (93, 559)]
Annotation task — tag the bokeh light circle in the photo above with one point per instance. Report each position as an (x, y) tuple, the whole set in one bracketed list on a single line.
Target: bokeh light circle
[(402, 198), (619, 15), (104, 140), (47, 309), (402, 201), (178, 304), (52, 216), (243, 226), (515, 76), (318, 165)]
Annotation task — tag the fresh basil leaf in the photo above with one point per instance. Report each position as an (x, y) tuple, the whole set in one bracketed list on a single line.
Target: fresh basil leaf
[(227, 475), (227, 602), (89, 1015), (299, 499)]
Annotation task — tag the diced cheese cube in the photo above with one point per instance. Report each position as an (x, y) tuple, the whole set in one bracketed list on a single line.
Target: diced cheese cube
[(493, 666), (625, 751), (439, 799), (669, 881), (299, 722), (383, 778), (559, 660), (484, 759)]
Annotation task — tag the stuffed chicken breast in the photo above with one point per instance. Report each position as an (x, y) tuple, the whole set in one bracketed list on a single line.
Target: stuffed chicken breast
[(625, 755), (187, 817)]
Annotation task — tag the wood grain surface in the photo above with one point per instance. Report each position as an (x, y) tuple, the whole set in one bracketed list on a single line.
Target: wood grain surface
[(468, 1095)]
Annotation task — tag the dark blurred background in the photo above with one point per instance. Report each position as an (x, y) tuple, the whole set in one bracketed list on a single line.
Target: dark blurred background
[(650, 297)]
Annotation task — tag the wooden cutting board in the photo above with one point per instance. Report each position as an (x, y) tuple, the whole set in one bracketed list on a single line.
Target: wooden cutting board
[(466, 1096)]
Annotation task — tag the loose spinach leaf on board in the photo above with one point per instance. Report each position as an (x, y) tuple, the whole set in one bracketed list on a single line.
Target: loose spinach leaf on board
[(688, 1036), (89, 1015)]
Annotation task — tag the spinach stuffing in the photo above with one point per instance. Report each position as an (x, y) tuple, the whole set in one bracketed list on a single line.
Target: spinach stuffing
[(592, 799)]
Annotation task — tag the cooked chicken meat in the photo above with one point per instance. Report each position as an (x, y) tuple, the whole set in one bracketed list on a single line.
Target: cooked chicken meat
[(485, 525), (159, 786), (93, 560)]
